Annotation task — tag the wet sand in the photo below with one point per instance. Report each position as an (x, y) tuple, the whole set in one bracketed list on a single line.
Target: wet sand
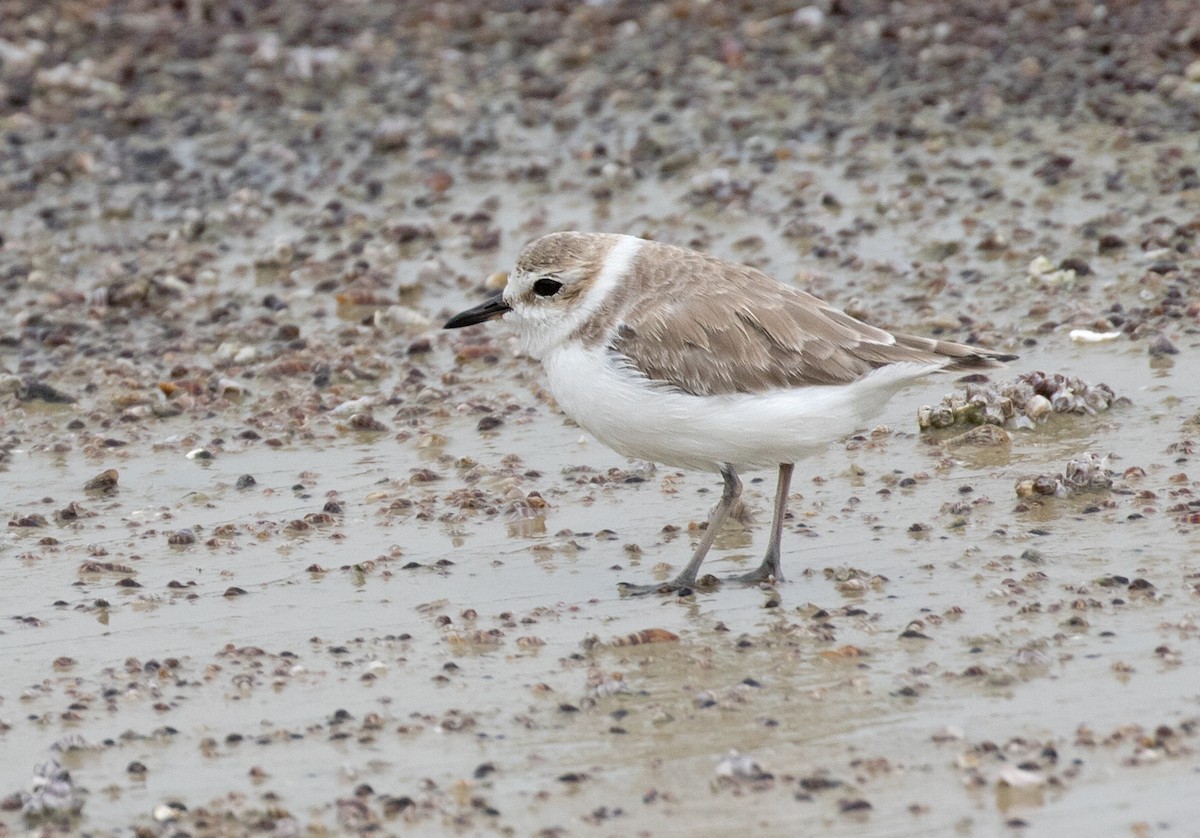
[(230, 236)]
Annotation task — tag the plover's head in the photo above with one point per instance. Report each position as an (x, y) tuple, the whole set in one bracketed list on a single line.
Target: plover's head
[(559, 282)]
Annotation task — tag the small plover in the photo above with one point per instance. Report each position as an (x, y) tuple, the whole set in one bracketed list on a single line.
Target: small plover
[(673, 356)]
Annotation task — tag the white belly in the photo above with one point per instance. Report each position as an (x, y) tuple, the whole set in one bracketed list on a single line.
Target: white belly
[(641, 419)]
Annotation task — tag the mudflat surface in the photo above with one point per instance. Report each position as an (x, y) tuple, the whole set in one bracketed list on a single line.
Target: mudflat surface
[(282, 557)]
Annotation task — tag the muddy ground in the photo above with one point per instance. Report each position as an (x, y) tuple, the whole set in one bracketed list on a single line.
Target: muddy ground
[(282, 557)]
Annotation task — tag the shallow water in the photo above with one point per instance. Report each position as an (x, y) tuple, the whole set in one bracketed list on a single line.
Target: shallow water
[(809, 709), (426, 659)]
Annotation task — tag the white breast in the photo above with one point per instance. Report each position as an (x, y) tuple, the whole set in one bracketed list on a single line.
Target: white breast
[(642, 419)]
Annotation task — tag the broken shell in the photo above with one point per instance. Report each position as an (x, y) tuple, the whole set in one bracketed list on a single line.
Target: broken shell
[(400, 316), (653, 635), (1019, 778), (735, 766), (1089, 336)]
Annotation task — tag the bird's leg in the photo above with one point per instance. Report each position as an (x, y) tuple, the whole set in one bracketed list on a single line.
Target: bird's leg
[(716, 520), (772, 564)]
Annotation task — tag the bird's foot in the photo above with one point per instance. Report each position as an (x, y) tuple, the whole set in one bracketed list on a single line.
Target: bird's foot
[(677, 586), (764, 573)]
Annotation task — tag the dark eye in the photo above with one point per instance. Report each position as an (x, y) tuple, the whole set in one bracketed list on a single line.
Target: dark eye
[(546, 287)]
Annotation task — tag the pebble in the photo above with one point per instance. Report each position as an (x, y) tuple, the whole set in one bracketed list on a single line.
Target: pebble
[(1160, 345), (105, 481)]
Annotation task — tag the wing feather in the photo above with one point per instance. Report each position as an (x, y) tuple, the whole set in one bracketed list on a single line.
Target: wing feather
[(719, 328)]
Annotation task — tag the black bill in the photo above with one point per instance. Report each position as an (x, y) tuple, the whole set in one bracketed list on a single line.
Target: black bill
[(489, 310)]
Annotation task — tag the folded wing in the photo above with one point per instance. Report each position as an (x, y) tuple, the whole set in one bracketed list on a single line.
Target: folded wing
[(744, 332)]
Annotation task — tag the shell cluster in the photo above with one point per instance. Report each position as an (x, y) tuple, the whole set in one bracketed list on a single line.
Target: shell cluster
[(1028, 400), (1086, 473), (52, 793)]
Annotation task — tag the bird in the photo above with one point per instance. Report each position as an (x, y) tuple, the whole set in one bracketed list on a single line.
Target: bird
[(673, 356)]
